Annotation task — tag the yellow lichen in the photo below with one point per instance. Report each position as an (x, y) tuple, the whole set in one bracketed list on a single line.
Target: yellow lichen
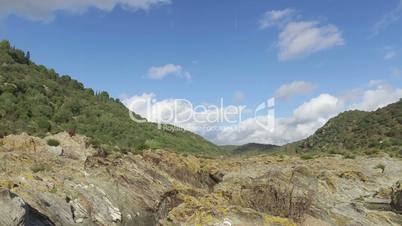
[(269, 220), (6, 184)]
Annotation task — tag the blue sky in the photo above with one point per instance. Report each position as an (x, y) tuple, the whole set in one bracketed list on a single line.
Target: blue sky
[(242, 51)]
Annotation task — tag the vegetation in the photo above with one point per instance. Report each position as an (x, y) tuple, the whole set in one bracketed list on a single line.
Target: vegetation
[(53, 142), (250, 148), (360, 132), (39, 168), (307, 156), (38, 101)]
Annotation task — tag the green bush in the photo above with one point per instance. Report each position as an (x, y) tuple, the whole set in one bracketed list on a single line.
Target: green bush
[(142, 147), (307, 156), (43, 123), (53, 142)]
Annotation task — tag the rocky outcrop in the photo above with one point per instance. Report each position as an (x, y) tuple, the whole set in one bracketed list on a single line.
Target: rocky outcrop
[(15, 212), (82, 187), (185, 168), (271, 196)]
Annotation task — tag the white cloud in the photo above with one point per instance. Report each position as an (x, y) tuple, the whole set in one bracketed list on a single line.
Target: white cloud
[(44, 10), (286, 130), (389, 55), (300, 38), (297, 87), (306, 37), (380, 96), (168, 69), (320, 107), (304, 121), (276, 17), (377, 82), (388, 19)]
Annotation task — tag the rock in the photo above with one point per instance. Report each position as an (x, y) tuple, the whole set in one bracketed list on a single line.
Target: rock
[(212, 210), (217, 177), (311, 221), (92, 202), (74, 147), (12, 209), (271, 196), (353, 175), (79, 211), (185, 168), (15, 212), (24, 143), (56, 150), (396, 202)]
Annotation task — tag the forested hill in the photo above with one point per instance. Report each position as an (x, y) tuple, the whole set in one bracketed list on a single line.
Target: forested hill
[(358, 130), (36, 100), (250, 148)]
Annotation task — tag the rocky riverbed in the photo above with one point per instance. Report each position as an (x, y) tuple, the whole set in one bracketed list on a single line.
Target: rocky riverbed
[(74, 184)]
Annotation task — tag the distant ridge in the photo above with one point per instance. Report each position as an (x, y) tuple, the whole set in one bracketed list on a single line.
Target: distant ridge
[(250, 148)]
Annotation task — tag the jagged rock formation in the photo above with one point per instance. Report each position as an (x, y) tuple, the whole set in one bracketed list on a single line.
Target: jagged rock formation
[(82, 186)]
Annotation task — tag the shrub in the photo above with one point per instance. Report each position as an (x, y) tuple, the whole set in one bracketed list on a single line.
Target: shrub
[(39, 168), (372, 152), (142, 147), (307, 156), (94, 143), (53, 142), (43, 123)]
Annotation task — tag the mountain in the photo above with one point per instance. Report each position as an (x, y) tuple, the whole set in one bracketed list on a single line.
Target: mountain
[(38, 101), (359, 130), (251, 148)]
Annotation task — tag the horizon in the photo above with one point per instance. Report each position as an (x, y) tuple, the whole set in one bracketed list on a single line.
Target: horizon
[(313, 60)]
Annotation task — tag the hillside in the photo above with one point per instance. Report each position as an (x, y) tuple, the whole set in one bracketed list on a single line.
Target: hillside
[(38, 101), (250, 148), (358, 130)]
